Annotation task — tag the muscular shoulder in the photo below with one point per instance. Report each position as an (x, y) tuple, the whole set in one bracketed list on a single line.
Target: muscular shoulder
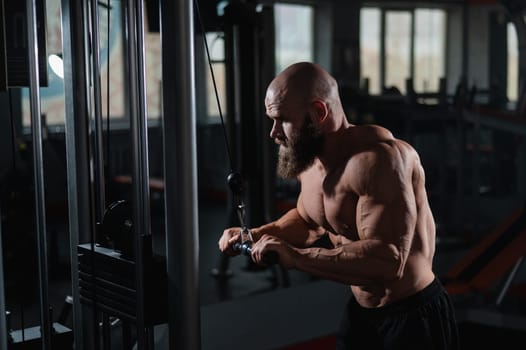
[(380, 167)]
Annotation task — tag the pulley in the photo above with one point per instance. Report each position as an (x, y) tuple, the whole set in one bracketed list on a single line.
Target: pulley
[(116, 228)]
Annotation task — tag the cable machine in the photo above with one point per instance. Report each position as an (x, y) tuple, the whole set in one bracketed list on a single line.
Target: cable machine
[(250, 66), (129, 284), (115, 282)]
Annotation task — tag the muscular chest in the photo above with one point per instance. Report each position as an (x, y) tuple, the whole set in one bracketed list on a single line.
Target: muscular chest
[(336, 211)]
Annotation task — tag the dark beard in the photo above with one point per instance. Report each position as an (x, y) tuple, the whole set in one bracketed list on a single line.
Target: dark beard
[(300, 152)]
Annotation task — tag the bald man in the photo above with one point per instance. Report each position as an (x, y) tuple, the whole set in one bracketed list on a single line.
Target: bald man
[(365, 190)]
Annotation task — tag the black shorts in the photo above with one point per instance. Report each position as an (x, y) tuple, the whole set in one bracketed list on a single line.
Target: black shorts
[(424, 321)]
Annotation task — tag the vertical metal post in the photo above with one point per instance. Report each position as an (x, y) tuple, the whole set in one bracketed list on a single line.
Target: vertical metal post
[(38, 168), (268, 70), (180, 172), (232, 95), (476, 169), (520, 25), (141, 156), (95, 166), (382, 50), (80, 203), (3, 323), (133, 13), (412, 48), (465, 43), (521, 168), (97, 100), (460, 133)]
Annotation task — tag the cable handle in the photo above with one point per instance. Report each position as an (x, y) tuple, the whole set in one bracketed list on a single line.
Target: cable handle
[(270, 258)]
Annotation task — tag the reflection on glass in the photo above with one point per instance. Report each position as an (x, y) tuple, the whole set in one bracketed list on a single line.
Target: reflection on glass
[(370, 48), (216, 45), (57, 65), (397, 49), (429, 49), (294, 34)]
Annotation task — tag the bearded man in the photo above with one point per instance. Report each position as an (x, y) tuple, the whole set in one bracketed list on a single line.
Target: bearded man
[(365, 190)]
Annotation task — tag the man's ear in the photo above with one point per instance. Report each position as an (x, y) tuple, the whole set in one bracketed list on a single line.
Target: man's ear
[(321, 111)]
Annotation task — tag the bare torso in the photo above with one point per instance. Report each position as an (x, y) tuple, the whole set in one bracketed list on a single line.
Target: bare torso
[(332, 201)]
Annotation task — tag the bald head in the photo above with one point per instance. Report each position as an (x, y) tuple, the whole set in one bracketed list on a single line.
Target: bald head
[(303, 85), (304, 82)]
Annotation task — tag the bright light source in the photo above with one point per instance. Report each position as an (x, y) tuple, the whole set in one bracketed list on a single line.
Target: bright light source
[(57, 65), (221, 8)]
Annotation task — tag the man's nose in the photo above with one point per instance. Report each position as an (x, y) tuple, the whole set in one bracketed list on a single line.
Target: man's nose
[(276, 131)]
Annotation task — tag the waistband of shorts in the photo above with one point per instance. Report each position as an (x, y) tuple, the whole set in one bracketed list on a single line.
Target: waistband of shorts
[(411, 302)]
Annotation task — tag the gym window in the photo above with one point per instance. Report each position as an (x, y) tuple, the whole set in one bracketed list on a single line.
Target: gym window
[(52, 98), (513, 64), (397, 49), (216, 47), (430, 48), (399, 44), (294, 42), (294, 25)]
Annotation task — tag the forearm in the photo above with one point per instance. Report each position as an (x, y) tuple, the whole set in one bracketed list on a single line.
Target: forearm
[(356, 263), (290, 228)]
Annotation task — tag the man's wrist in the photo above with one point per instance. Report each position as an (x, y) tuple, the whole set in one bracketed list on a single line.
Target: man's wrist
[(256, 233)]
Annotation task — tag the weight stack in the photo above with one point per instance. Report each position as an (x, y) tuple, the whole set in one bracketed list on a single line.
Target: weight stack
[(107, 282)]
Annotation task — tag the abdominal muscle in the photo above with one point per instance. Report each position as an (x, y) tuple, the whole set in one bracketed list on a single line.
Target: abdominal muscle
[(417, 275)]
